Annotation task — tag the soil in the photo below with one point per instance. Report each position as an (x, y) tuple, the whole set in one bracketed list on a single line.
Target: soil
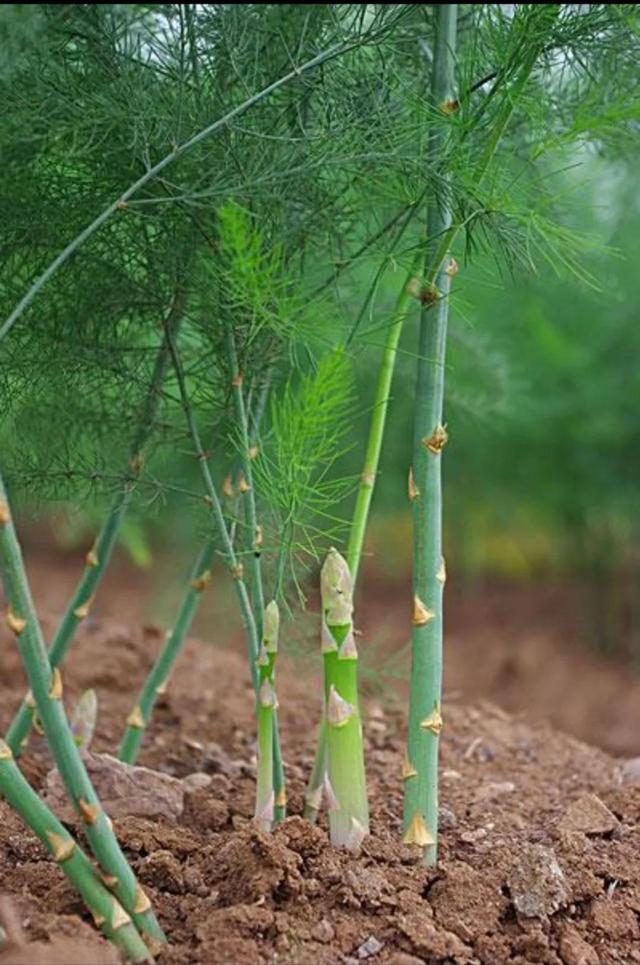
[(540, 854)]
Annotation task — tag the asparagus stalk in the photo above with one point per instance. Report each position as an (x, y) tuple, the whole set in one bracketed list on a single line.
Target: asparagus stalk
[(420, 770), (253, 537), (235, 566), (425, 489), (98, 557), (267, 704), (46, 687), (107, 912), (345, 783), (156, 682)]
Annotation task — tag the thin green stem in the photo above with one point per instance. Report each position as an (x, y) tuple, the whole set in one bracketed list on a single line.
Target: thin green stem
[(253, 534), (98, 557), (378, 422), (46, 687), (158, 678), (248, 497), (107, 912)]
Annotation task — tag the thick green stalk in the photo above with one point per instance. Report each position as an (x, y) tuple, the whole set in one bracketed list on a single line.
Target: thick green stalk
[(420, 771), (345, 784), (267, 705), (425, 722), (107, 912), (46, 687), (98, 557), (156, 682)]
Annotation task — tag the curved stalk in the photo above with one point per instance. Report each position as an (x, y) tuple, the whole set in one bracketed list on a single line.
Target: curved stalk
[(107, 912), (158, 677), (98, 557), (46, 687)]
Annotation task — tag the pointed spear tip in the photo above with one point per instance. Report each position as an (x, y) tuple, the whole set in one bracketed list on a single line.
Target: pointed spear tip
[(271, 629)]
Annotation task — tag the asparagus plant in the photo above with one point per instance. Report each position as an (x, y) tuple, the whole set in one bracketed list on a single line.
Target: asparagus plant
[(106, 910), (97, 559), (236, 567), (267, 705), (47, 689), (430, 436), (253, 538), (156, 681), (345, 781)]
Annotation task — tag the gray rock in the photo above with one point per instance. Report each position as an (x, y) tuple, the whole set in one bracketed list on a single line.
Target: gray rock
[(124, 790), (537, 882)]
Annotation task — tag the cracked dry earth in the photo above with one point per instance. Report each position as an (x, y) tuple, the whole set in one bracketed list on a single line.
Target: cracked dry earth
[(540, 856)]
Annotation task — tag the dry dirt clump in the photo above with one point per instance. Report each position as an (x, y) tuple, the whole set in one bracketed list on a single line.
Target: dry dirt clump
[(540, 856)]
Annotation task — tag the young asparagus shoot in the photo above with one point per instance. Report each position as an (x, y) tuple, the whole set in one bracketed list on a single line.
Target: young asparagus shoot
[(107, 912), (158, 677), (267, 704), (235, 566), (47, 689), (345, 781)]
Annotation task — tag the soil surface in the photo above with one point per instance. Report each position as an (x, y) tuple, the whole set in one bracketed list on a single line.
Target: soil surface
[(540, 854)]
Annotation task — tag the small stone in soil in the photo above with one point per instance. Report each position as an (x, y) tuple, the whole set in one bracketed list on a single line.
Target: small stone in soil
[(630, 771), (323, 932), (537, 882), (589, 815), (574, 950), (371, 947), (491, 791)]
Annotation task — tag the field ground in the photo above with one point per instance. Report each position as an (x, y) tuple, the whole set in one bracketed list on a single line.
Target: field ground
[(533, 869)]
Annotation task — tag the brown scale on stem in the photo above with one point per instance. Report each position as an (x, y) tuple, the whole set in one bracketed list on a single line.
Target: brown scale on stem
[(15, 623), (89, 812), (55, 690), (61, 848), (5, 514), (421, 613), (436, 442), (201, 583), (417, 832), (135, 718), (82, 611), (450, 105)]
